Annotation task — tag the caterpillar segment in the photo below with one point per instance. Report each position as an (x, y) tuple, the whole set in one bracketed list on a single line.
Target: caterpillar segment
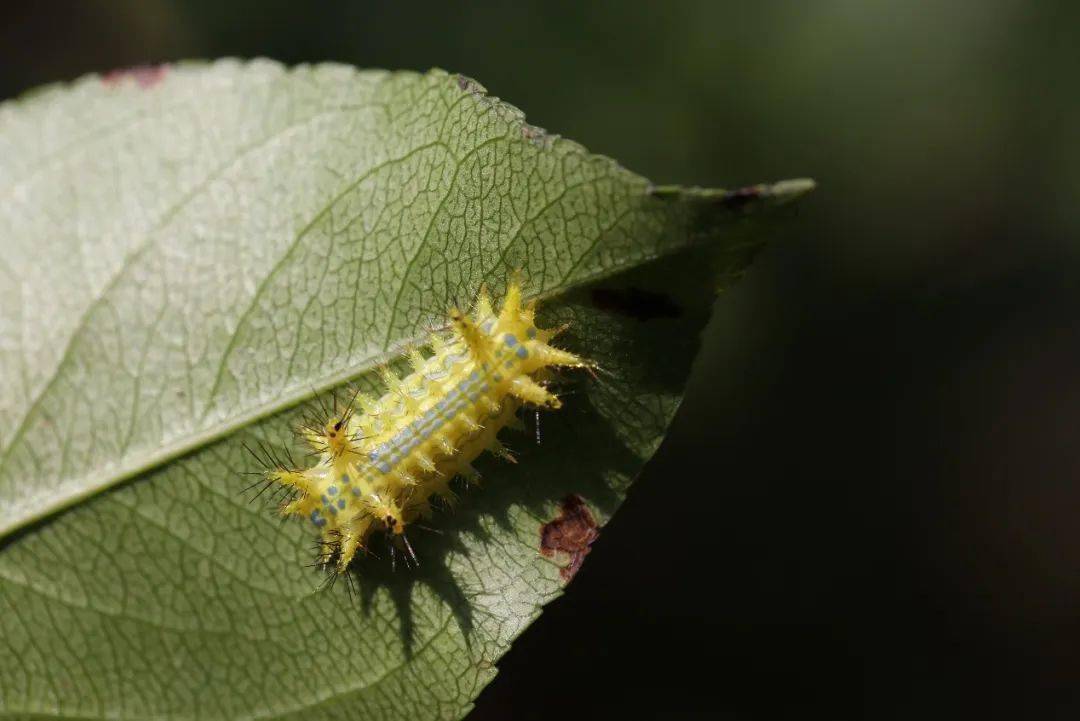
[(378, 470)]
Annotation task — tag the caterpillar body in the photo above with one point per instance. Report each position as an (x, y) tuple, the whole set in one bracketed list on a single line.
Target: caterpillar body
[(378, 471)]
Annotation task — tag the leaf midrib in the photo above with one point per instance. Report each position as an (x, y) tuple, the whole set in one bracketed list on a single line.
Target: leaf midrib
[(92, 485), (175, 449)]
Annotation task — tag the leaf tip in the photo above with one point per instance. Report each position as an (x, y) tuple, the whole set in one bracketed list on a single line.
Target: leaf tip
[(787, 190), (745, 198)]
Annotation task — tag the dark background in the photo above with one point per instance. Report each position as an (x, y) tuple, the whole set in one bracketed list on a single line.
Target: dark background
[(883, 423)]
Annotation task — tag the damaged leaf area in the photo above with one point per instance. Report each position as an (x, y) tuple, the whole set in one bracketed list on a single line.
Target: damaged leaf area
[(568, 537), (199, 256)]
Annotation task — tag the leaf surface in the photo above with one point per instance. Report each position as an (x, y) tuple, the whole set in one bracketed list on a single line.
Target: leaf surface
[(190, 254)]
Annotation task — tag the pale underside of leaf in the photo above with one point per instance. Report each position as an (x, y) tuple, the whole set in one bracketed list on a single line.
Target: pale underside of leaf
[(185, 261)]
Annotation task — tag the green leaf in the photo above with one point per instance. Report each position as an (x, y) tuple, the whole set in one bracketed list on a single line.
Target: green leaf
[(190, 254)]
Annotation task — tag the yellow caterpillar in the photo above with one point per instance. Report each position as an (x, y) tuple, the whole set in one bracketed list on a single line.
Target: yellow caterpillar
[(378, 471)]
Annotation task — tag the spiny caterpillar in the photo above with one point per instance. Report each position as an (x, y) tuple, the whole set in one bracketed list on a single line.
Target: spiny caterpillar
[(377, 472)]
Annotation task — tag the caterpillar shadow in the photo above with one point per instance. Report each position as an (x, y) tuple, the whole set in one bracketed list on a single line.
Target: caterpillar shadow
[(643, 334)]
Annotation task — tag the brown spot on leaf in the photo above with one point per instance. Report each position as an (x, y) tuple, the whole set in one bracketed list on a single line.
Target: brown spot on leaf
[(145, 75), (570, 535), (636, 303)]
